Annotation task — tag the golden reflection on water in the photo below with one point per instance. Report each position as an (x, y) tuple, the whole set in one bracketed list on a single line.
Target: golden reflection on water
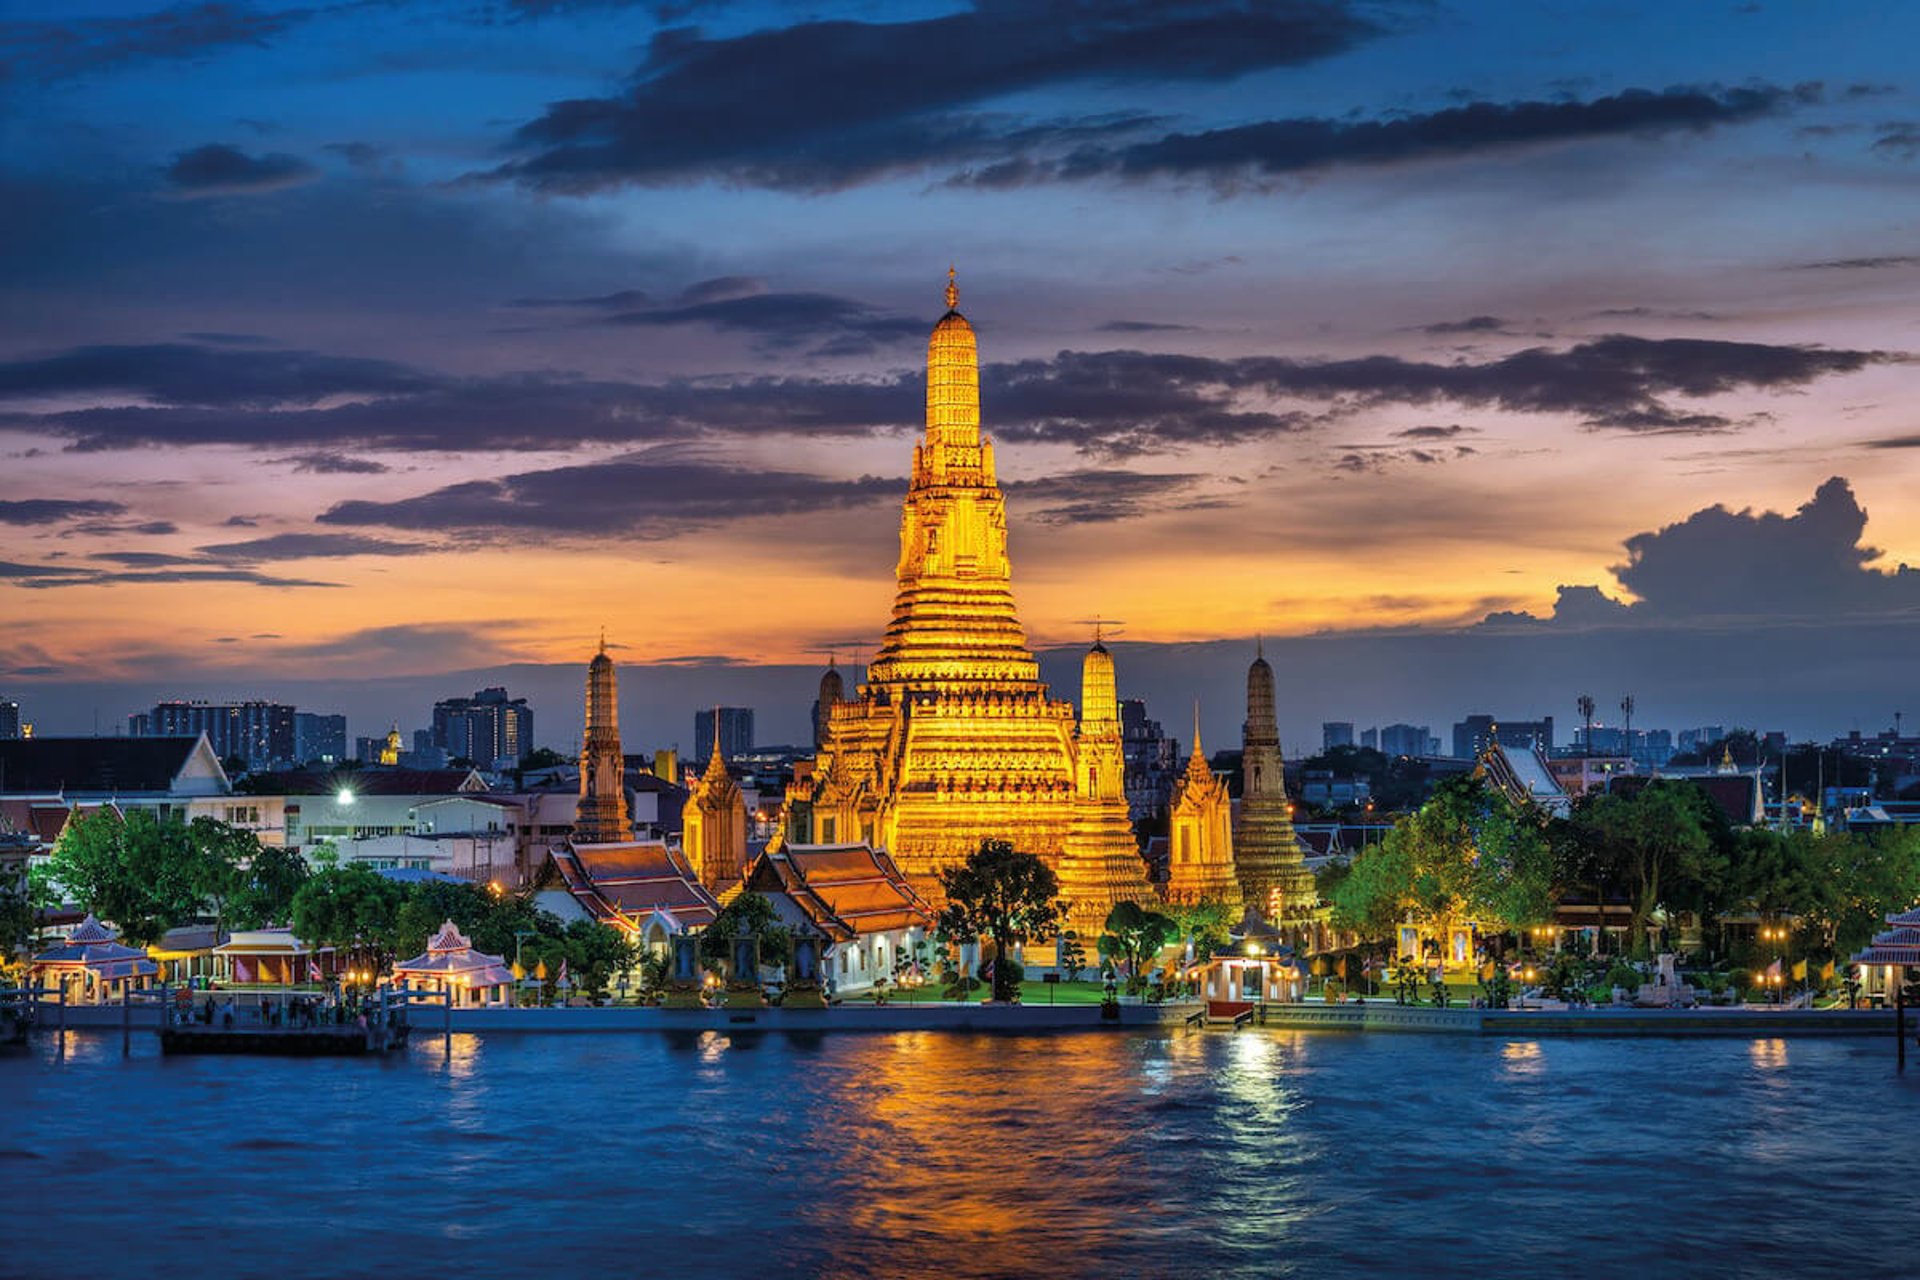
[(1768, 1055), (956, 1149), (1522, 1058)]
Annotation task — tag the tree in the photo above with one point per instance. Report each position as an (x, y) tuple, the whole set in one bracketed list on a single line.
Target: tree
[(267, 887), (1073, 956), (136, 871), (1468, 853), (220, 857), (351, 909), (1666, 845), (1134, 936), (1005, 896), (1205, 924), (749, 913), (542, 758)]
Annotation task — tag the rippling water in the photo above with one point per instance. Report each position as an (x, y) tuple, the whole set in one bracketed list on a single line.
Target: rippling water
[(1137, 1155)]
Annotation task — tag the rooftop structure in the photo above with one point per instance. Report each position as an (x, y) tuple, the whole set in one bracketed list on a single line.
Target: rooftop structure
[(451, 964), (111, 768)]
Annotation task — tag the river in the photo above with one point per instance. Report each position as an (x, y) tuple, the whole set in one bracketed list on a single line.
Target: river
[(921, 1154)]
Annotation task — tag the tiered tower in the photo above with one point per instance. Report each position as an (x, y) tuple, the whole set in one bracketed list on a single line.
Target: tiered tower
[(602, 816), (953, 738), (1101, 863), (833, 691), (713, 825), (1200, 860), (1273, 877)]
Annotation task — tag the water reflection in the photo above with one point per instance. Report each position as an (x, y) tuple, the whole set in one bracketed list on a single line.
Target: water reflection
[(935, 1155)]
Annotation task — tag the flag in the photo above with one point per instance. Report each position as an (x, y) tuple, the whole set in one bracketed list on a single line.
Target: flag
[(1773, 970), (563, 971), (1800, 971), (313, 970), (1826, 972)]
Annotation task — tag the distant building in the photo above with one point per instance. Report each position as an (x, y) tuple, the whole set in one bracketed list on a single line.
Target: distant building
[(1650, 747), (1475, 734), (489, 728), (1370, 739), (260, 733), (1336, 733), (736, 731), (319, 737), (1149, 756), (9, 718), (1697, 740), (1406, 740)]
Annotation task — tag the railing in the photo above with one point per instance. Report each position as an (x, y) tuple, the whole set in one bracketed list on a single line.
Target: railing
[(1243, 1018), (1196, 1019)]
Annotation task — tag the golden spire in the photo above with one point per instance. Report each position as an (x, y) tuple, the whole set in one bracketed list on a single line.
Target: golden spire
[(603, 639), (953, 291)]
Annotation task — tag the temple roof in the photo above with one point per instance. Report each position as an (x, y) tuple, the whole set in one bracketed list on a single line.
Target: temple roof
[(92, 946), (634, 878), (846, 890), (451, 955)]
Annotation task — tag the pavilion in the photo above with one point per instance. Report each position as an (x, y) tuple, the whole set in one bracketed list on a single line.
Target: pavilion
[(451, 964), (92, 967), (1896, 949), (272, 957)]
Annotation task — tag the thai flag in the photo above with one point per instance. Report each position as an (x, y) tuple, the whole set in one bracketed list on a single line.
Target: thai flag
[(563, 971), (313, 970)]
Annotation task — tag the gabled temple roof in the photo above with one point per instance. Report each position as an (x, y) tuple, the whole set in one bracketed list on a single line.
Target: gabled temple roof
[(450, 955), (846, 890), (93, 946), (634, 878)]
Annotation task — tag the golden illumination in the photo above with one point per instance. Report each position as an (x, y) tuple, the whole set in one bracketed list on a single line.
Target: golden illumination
[(714, 823), (1200, 828), (1266, 853), (953, 738)]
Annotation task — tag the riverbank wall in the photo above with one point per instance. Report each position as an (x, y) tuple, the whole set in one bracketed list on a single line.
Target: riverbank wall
[(1050, 1019)]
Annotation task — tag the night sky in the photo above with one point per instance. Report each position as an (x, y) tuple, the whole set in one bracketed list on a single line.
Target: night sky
[(1479, 355)]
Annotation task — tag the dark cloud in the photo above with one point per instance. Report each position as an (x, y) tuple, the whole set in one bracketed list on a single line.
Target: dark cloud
[(54, 510), (240, 522), (175, 373), (1900, 139), (144, 559), (1895, 442), (822, 322), (1099, 496), (221, 170), (140, 569), (1719, 566), (1111, 403), (1879, 263), (1447, 432), (1472, 324), (54, 50), (636, 496), (108, 528), (1276, 148), (309, 546), (1141, 326), (335, 464), (756, 109)]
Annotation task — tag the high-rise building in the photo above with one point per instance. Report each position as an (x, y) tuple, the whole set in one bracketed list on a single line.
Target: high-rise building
[(260, 733), (736, 731), (1405, 739), (9, 718), (1336, 733), (1151, 761), (1476, 733), (319, 737), (489, 728), (1370, 739)]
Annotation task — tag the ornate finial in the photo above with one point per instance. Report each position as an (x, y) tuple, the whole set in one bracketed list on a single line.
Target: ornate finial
[(1259, 646), (953, 291), (603, 639), (1096, 631)]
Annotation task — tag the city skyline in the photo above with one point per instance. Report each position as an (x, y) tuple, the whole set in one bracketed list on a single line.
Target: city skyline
[(1576, 368)]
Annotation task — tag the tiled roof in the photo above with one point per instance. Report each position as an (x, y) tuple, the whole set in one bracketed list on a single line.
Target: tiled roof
[(635, 878), (845, 890), (370, 782), (53, 765)]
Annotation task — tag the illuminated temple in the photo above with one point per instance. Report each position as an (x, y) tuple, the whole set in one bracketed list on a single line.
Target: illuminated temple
[(953, 738)]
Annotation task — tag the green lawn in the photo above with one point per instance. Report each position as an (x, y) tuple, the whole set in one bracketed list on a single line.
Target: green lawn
[(1030, 993)]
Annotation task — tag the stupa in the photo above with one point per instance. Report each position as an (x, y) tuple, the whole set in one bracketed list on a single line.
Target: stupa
[(1273, 875), (953, 738)]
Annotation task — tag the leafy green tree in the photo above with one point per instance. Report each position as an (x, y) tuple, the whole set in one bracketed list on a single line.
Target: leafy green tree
[(1073, 956), (1469, 853), (267, 887), (747, 913), (1134, 936), (1205, 924), (137, 871), (1005, 896), (352, 909), (1666, 844), (220, 855)]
